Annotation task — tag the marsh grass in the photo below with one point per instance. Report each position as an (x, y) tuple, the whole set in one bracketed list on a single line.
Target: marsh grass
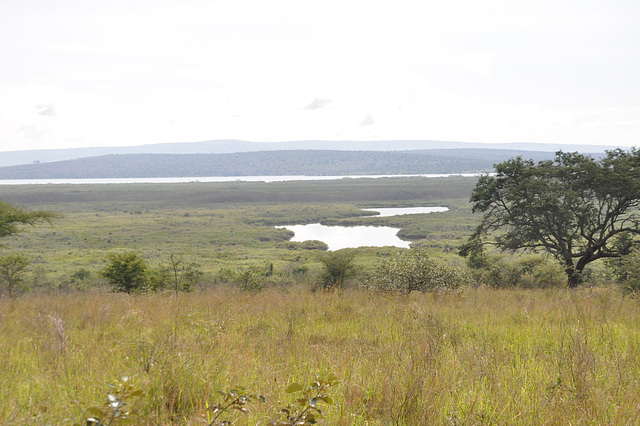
[(478, 357)]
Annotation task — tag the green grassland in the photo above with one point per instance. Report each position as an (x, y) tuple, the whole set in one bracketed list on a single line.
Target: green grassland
[(478, 357), (226, 226), (474, 356)]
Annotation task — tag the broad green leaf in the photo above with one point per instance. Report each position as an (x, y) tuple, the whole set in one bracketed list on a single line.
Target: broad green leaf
[(294, 387), (95, 411)]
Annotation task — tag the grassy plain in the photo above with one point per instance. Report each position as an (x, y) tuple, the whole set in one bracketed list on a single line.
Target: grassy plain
[(480, 356), (224, 226)]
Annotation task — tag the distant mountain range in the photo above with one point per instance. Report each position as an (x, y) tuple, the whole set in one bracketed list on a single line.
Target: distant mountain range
[(11, 158), (270, 163)]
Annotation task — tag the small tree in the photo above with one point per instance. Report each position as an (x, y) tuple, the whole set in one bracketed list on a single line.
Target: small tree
[(126, 272), (337, 267), (12, 270), (184, 275)]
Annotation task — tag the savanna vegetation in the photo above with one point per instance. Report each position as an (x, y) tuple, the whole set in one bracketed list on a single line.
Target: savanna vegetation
[(185, 304)]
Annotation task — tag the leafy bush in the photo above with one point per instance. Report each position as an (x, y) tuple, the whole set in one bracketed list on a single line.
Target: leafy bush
[(415, 270), (12, 271), (306, 410), (232, 401), (531, 271), (627, 272), (126, 272), (337, 268), (115, 410)]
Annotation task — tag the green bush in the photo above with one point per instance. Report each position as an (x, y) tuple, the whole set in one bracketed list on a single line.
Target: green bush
[(337, 268), (126, 272), (415, 270), (627, 272), (530, 271), (13, 268)]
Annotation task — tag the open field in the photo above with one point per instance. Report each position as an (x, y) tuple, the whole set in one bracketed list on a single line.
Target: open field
[(478, 357), (225, 226)]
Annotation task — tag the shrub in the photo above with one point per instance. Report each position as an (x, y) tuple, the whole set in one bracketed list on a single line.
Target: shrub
[(531, 271), (12, 271), (337, 267), (126, 272), (415, 270), (627, 272), (251, 280)]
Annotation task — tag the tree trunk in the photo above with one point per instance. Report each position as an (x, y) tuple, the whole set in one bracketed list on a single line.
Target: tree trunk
[(573, 277)]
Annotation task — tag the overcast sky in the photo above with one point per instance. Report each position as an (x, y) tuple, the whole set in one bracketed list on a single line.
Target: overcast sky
[(78, 73)]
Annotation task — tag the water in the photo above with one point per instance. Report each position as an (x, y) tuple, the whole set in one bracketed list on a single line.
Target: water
[(398, 211), (211, 179), (339, 237)]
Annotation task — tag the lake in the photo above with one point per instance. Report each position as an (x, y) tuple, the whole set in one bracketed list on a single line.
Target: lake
[(339, 237), (212, 179)]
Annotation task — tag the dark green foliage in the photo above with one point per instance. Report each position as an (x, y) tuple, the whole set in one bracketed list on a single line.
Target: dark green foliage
[(126, 272), (314, 245), (250, 280), (627, 272), (532, 271), (158, 278), (414, 270), (572, 207), (12, 270), (337, 266), (80, 275)]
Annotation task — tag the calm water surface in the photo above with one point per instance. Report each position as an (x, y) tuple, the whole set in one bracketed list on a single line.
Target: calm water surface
[(210, 179), (339, 237), (398, 211)]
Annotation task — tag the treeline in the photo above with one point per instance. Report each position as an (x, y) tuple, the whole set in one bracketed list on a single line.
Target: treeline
[(269, 163)]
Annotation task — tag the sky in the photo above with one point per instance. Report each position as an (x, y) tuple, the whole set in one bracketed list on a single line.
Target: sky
[(77, 73)]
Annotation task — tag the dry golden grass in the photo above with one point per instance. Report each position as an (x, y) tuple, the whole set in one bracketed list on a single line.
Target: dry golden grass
[(478, 357)]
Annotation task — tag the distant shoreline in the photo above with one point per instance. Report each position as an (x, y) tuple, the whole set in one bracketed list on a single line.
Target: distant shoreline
[(205, 179)]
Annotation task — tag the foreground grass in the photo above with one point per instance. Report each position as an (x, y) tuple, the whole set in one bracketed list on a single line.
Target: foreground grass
[(478, 357)]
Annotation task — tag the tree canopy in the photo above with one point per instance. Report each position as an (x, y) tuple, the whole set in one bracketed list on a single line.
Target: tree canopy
[(11, 217), (577, 208)]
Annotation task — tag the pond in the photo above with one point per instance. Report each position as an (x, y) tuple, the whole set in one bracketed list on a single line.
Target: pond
[(398, 211), (339, 237)]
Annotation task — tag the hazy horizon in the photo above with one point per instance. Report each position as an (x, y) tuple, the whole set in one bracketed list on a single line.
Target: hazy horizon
[(87, 74)]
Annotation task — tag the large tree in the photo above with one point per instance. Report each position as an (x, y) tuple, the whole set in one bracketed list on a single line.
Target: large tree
[(575, 207)]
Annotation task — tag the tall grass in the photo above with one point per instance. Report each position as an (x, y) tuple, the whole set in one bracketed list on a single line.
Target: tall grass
[(478, 357)]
